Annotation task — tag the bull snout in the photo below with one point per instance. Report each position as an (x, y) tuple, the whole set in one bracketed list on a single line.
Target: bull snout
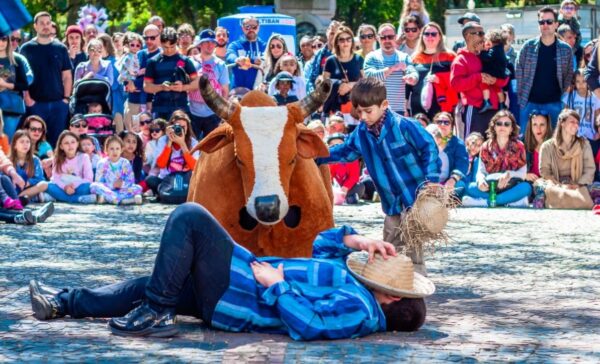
[(267, 208)]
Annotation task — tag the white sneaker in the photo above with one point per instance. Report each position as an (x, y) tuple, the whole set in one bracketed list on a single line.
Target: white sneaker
[(524, 202), (469, 201), (137, 199), (87, 199), (376, 197), (45, 197)]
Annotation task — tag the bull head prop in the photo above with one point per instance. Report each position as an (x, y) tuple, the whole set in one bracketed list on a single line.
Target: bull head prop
[(269, 149)]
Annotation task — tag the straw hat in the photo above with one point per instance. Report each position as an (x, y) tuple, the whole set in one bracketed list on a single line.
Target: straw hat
[(394, 276)]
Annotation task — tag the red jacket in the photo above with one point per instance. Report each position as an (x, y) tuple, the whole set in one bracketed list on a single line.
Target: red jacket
[(465, 78), (345, 174), (447, 97)]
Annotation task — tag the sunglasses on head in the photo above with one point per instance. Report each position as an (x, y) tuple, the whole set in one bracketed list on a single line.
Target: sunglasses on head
[(536, 112), (36, 130), (443, 122), (505, 124), (150, 37), (250, 27), (432, 34), (411, 30), (79, 125), (387, 37), (546, 21), (367, 36), (275, 45)]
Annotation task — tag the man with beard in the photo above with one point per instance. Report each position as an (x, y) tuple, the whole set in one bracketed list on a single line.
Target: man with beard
[(466, 77), (222, 37), (245, 53)]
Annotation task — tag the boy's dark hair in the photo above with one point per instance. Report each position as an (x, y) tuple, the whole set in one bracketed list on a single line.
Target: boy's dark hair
[(496, 36), (367, 92), (406, 315), (548, 9), (169, 35)]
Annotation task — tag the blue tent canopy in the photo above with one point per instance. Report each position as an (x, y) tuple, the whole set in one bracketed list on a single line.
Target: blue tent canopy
[(13, 15)]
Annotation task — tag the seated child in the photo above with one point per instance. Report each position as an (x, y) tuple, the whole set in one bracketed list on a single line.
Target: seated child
[(346, 176), (87, 145), (283, 84), (28, 166), (98, 122), (318, 127), (436, 133), (494, 63), (115, 182), (336, 124), (288, 63), (157, 130), (133, 151), (473, 144)]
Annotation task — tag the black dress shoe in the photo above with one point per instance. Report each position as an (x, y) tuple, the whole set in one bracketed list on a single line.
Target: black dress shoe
[(144, 321), (44, 212), (45, 302)]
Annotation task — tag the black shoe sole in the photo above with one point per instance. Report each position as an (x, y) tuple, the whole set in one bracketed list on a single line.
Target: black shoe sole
[(42, 309), (149, 332), (46, 211)]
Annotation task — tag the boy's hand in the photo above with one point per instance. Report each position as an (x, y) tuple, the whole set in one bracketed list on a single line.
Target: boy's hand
[(265, 274)]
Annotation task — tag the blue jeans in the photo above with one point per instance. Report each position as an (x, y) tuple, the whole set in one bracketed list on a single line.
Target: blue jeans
[(191, 272), (60, 195), (553, 109), (11, 122), (55, 114), (522, 189)]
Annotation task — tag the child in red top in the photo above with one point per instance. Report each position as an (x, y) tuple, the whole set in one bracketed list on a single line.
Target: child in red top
[(346, 175)]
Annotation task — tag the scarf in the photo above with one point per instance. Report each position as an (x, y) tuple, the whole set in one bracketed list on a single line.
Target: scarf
[(498, 160), (375, 129), (574, 155)]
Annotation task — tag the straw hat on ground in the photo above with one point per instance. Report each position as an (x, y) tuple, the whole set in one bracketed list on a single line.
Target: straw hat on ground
[(394, 276)]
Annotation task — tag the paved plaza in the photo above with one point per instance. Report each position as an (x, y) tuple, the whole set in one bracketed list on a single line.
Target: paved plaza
[(514, 285)]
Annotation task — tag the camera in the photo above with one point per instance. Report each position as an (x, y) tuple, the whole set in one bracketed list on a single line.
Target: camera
[(177, 129)]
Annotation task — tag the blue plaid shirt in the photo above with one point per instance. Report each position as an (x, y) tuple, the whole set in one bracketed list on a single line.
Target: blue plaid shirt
[(319, 298), (400, 160)]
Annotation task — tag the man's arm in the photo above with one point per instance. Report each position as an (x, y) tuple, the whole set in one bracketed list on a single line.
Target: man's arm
[(461, 78), (592, 73), (67, 79)]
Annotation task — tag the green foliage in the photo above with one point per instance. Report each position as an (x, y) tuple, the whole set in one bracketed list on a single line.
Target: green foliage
[(356, 12)]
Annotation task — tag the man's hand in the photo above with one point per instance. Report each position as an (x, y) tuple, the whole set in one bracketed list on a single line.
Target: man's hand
[(370, 245), (410, 80), (177, 86), (265, 274), (130, 87)]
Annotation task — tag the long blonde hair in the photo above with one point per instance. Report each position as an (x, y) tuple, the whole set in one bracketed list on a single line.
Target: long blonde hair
[(10, 53)]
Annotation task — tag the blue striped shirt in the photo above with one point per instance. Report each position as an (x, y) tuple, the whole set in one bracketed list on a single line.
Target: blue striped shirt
[(374, 66), (399, 161), (319, 298)]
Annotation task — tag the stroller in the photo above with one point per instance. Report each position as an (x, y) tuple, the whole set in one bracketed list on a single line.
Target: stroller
[(93, 91)]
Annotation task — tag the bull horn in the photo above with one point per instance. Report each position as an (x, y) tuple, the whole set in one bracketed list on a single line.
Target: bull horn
[(312, 102), (217, 103)]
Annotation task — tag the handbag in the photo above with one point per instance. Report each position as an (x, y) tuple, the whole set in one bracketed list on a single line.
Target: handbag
[(427, 91), (174, 187), (12, 102), (344, 100), (558, 196)]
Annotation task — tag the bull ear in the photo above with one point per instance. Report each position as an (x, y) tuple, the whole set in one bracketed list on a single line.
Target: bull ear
[(216, 140), (309, 144)]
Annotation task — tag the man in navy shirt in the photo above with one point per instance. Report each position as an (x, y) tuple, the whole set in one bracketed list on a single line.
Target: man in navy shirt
[(50, 91), (169, 76)]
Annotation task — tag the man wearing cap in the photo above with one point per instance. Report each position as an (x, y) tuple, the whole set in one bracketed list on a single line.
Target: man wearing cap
[(49, 94), (200, 271), (466, 78), (79, 126), (544, 70), (462, 21), (245, 54), (204, 120)]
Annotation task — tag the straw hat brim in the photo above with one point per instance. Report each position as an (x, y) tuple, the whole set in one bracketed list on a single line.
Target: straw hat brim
[(422, 286)]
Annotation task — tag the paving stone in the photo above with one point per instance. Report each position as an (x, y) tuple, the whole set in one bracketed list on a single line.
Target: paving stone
[(514, 285)]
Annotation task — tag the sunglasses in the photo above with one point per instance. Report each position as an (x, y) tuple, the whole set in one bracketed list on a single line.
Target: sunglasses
[(569, 7), (96, 50), (411, 30), (150, 37), (443, 122), (435, 34), (546, 21), (367, 36), (4, 39), (16, 39), (36, 130), (505, 124), (155, 130), (278, 46), (250, 27), (79, 125), (480, 33), (145, 122), (345, 40), (387, 37), (536, 112), (134, 45), (317, 46)]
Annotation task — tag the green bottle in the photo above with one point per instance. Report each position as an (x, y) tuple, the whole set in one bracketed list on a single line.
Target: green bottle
[(492, 195)]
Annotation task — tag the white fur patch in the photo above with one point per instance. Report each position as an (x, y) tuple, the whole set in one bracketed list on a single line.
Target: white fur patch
[(264, 126)]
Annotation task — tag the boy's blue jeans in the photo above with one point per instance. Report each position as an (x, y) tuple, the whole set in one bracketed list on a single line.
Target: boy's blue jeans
[(60, 195)]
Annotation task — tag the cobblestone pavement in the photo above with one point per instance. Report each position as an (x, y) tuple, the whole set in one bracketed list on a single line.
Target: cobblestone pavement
[(515, 285)]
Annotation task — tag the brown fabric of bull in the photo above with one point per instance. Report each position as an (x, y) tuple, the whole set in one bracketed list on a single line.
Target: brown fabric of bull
[(225, 179)]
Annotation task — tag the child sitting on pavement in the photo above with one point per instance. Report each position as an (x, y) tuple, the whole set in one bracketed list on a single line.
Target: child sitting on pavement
[(28, 166), (400, 155), (88, 146)]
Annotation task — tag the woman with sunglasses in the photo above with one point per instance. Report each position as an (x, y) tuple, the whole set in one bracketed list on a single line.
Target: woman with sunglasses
[(432, 61), (36, 128), (276, 48), (367, 35), (344, 68), (566, 166), (144, 120), (95, 67), (454, 148), (13, 81), (502, 160)]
